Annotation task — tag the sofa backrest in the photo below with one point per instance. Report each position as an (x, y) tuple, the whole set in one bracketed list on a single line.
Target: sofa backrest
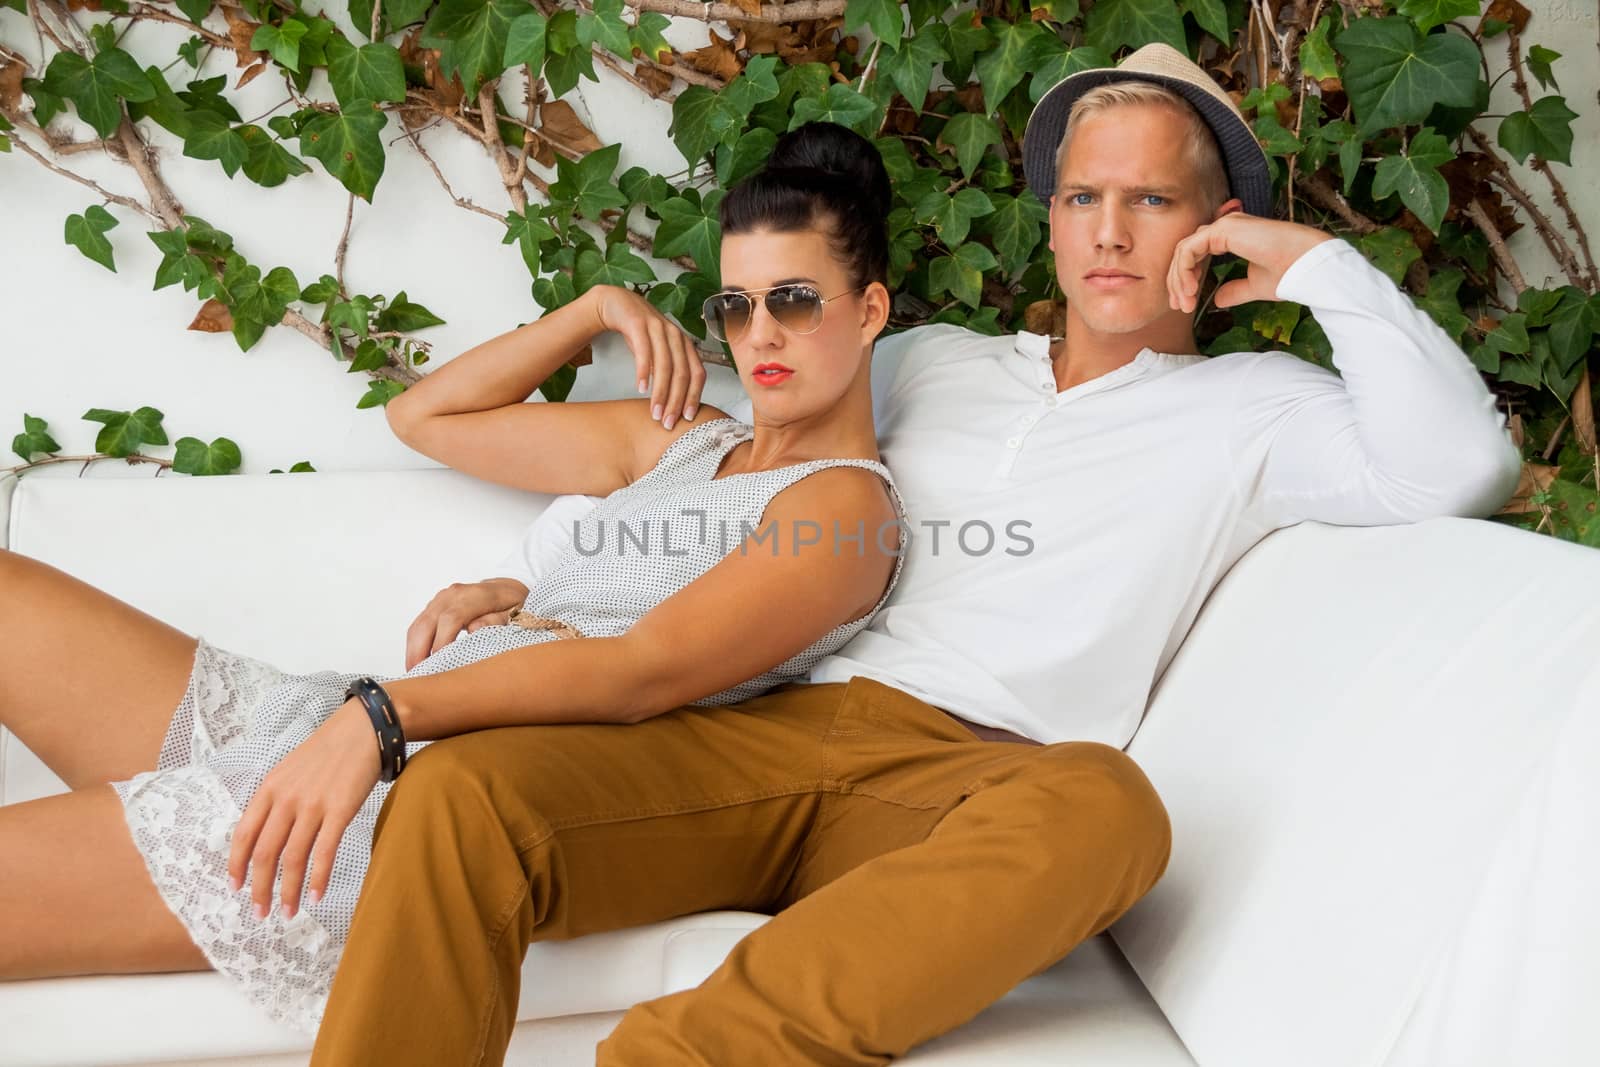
[(1343, 743), (311, 571)]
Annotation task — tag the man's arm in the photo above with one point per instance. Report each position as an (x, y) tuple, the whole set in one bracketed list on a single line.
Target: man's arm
[(1406, 431)]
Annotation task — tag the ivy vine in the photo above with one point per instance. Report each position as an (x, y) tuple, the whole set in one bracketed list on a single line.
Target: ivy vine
[(1374, 115)]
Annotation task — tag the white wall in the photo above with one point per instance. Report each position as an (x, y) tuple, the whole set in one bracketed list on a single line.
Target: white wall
[(76, 336)]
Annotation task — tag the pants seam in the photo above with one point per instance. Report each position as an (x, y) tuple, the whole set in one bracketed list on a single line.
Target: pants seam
[(487, 1014)]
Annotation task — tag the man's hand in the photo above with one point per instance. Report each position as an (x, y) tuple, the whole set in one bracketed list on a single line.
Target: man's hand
[(1267, 245), (302, 808)]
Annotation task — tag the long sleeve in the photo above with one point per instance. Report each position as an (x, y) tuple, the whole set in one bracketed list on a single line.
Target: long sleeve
[(1406, 431)]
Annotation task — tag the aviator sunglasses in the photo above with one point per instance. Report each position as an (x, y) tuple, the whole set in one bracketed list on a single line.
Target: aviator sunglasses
[(795, 306)]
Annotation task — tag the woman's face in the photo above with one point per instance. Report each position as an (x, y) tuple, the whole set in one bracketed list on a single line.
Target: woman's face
[(821, 365)]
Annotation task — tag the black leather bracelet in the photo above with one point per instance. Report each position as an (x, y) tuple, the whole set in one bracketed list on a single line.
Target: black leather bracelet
[(385, 721)]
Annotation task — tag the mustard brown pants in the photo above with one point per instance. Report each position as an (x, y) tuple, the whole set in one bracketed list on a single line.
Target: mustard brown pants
[(914, 872)]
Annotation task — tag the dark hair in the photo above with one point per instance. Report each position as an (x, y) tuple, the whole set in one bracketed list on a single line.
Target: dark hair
[(820, 174)]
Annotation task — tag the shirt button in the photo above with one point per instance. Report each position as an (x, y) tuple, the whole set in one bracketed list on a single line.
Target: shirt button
[(1050, 403), (1047, 386), (1029, 420), (1014, 442)]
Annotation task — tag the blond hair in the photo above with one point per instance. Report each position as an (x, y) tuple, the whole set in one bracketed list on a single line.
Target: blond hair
[(1205, 159)]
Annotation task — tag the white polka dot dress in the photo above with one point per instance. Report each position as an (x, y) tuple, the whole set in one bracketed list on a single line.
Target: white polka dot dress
[(240, 716)]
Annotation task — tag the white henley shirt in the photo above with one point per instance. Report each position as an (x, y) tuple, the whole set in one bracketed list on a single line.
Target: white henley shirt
[(1141, 488)]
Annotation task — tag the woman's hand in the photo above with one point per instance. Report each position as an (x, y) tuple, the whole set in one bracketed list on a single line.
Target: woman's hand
[(302, 808), (458, 606), (663, 354)]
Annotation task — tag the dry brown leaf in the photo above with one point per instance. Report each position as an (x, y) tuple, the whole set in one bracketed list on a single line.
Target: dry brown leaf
[(656, 81), (10, 86), (250, 75), (1506, 11), (765, 38), (213, 317), (1536, 477), (584, 357), (1514, 424), (719, 57), (561, 123), (240, 31), (1048, 317), (749, 7)]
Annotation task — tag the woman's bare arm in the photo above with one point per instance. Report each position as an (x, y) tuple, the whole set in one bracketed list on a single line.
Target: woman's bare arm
[(752, 611), (472, 413)]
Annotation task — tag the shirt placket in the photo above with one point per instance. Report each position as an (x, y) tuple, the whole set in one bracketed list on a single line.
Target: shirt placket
[(1026, 421)]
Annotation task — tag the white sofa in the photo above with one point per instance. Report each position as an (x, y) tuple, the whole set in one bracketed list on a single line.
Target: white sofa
[(1374, 745)]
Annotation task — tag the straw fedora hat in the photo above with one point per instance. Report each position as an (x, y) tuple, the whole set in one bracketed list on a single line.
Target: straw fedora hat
[(1242, 157)]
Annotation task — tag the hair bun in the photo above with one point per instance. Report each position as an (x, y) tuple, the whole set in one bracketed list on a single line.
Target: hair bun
[(838, 152)]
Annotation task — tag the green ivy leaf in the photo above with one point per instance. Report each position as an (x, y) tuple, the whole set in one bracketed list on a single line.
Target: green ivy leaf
[(586, 183), (304, 466), (1442, 303), (554, 292), (884, 17), (961, 274), (1545, 131), (911, 68), (951, 215), (525, 41), (370, 355), (1430, 13), (125, 431), (268, 163), (347, 144), (1415, 176), (1015, 228), (86, 233), (745, 156), (208, 136), (1391, 250), (1062, 64), (97, 85), (646, 35), (371, 72), (396, 13), (406, 316), (1018, 47), (1276, 319), (619, 267), (1572, 327), (528, 232), (969, 135), (321, 291), (1209, 15), (841, 104), (604, 24), (1394, 75), (281, 42), (755, 85), (693, 230), (1540, 60), (565, 60), (1062, 11), (1510, 336), (471, 38), (196, 457), (1316, 52), (379, 393), (205, 95), (190, 51), (1114, 24), (35, 437), (354, 315), (195, 10)]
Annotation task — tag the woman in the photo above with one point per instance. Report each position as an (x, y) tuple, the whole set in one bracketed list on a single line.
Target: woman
[(264, 786)]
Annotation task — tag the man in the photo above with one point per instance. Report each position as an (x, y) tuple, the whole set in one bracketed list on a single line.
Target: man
[(915, 870)]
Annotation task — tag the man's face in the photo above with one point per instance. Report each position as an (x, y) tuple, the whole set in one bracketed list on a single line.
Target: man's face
[(1125, 196)]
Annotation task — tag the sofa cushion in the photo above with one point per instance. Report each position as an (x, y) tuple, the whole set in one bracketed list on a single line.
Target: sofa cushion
[(1347, 738)]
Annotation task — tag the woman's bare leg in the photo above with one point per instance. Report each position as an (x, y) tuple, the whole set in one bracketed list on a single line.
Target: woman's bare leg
[(76, 897), (88, 682)]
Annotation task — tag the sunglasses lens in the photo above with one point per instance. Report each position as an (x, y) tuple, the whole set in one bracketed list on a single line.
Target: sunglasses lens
[(797, 308), (726, 315)]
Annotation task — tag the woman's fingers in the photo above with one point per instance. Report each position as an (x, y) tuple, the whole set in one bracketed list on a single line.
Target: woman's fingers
[(322, 857), (678, 392), (264, 857), (296, 854), (660, 390), (245, 833), (696, 373)]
